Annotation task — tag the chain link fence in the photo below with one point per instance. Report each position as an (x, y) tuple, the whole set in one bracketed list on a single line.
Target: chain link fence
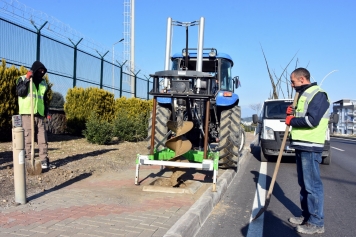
[(68, 66)]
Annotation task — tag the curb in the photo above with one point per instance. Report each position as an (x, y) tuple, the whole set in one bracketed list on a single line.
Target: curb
[(191, 222)]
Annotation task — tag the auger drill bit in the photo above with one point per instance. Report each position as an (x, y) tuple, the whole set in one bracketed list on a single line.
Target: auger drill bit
[(179, 144)]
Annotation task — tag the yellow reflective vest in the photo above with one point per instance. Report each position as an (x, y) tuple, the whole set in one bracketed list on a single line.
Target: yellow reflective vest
[(38, 99), (312, 136)]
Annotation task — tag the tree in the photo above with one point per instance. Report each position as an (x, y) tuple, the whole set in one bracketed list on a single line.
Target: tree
[(256, 107)]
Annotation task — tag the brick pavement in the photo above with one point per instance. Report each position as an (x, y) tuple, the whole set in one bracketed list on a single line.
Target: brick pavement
[(104, 205)]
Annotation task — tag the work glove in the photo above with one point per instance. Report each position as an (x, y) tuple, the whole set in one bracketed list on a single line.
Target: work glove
[(29, 75), (290, 110), (289, 119)]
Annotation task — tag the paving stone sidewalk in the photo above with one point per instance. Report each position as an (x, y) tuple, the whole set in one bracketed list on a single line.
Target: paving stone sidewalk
[(105, 205)]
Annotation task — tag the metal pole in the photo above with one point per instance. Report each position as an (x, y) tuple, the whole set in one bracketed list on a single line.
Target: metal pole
[(206, 129), (75, 62), (153, 125), (135, 78), (200, 45), (19, 164), (148, 87), (132, 56), (168, 50), (113, 65), (168, 44), (121, 66), (38, 51), (101, 68)]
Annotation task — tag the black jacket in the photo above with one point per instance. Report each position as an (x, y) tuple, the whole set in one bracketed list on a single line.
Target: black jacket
[(23, 85)]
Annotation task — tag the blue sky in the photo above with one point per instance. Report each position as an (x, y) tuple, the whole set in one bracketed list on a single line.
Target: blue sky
[(323, 33)]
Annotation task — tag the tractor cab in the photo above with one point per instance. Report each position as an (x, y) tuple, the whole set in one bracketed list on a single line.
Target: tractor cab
[(216, 64)]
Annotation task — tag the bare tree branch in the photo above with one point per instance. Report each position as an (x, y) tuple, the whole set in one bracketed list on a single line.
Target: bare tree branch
[(256, 107), (275, 96)]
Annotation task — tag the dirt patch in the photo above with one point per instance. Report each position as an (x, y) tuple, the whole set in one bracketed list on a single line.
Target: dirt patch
[(75, 159)]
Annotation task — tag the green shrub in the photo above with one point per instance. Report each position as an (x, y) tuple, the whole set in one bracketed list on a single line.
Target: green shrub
[(81, 102), (133, 106), (128, 127), (57, 100), (97, 130)]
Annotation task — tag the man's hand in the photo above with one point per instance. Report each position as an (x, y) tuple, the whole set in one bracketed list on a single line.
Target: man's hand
[(289, 119), (290, 110), (29, 75)]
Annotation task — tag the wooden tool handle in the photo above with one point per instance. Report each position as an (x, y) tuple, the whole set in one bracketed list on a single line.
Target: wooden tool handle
[(281, 152), (32, 127)]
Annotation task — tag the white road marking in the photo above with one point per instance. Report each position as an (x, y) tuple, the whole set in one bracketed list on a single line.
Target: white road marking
[(255, 228), (337, 149), (344, 139)]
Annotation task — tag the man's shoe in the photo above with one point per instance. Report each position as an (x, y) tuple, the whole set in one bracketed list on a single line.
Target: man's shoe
[(310, 229), (296, 220), (44, 164)]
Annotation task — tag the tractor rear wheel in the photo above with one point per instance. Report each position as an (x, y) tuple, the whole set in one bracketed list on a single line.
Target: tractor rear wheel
[(162, 116)]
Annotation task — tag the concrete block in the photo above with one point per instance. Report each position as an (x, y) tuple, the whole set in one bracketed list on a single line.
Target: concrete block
[(187, 225), (202, 208)]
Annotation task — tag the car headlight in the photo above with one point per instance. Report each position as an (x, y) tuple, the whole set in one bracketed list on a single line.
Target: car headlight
[(269, 133)]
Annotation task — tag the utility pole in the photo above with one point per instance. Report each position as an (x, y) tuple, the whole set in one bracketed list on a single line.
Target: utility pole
[(132, 56)]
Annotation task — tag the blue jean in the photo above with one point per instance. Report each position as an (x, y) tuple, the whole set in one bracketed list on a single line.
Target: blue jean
[(311, 187)]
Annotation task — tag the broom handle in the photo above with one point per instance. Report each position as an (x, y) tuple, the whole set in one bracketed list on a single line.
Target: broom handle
[(32, 127), (281, 152)]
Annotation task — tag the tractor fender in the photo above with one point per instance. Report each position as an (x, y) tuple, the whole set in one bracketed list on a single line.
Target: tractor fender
[(164, 100), (222, 100)]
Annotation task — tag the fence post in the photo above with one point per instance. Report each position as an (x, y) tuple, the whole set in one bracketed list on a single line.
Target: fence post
[(38, 51), (120, 66), (102, 68), (148, 87), (135, 80), (75, 62)]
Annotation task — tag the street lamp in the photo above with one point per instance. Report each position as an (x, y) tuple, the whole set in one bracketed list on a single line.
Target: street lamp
[(113, 66)]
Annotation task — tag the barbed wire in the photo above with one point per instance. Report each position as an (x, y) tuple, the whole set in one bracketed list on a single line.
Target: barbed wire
[(29, 17)]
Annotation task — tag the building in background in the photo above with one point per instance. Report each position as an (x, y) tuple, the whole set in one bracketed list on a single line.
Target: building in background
[(346, 109)]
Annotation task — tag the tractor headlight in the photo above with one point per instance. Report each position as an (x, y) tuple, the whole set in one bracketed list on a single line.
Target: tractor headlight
[(269, 133)]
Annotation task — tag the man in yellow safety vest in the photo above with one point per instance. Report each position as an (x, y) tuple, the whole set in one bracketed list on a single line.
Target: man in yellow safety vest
[(40, 87), (309, 121)]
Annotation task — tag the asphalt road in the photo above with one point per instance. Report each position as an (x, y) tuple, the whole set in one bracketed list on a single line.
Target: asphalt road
[(231, 217)]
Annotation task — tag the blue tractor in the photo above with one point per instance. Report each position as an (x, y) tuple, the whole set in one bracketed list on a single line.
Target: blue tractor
[(195, 107)]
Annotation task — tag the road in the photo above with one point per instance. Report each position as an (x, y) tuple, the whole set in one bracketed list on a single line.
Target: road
[(231, 217)]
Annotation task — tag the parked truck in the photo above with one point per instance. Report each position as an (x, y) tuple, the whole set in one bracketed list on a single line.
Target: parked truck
[(271, 128)]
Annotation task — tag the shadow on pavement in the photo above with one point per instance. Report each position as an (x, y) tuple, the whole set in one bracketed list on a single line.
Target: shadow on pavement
[(65, 184), (61, 137), (69, 159), (188, 175), (279, 194), (274, 226)]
